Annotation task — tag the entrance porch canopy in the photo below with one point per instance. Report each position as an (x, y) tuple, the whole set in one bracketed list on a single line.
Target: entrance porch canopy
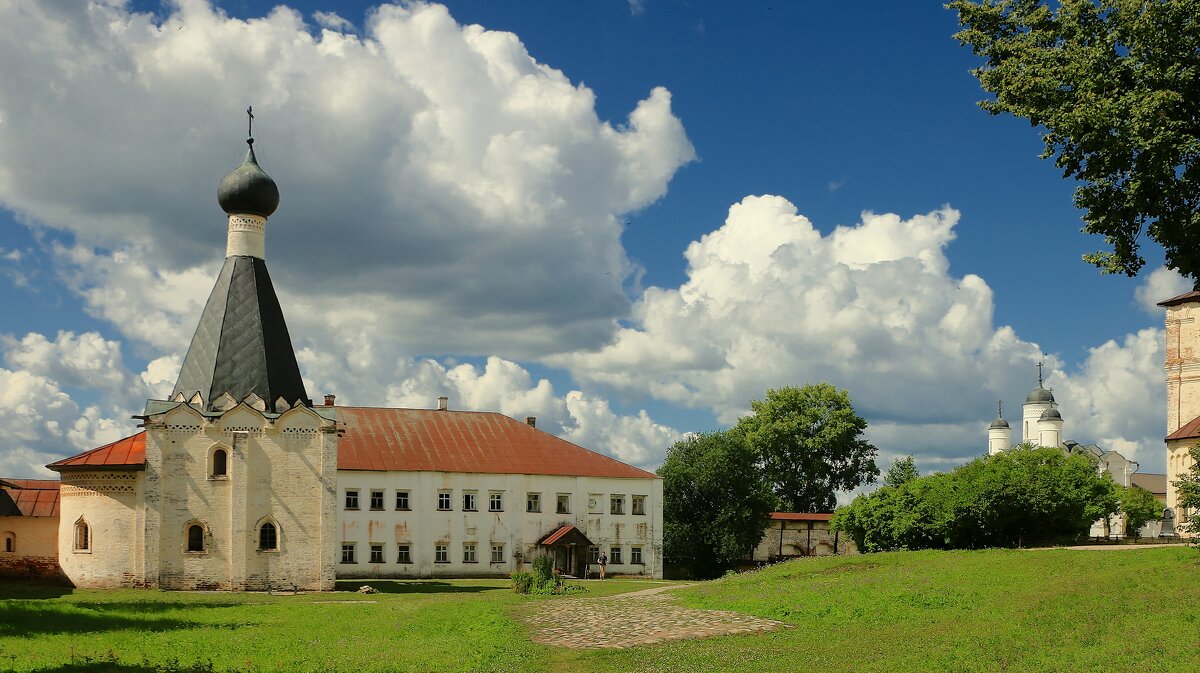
[(565, 535)]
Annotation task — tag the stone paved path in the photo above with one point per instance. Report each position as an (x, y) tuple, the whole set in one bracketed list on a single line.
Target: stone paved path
[(639, 618)]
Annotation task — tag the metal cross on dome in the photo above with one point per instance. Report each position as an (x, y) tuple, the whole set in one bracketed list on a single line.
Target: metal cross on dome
[(250, 125), (999, 408), (1040, 365)]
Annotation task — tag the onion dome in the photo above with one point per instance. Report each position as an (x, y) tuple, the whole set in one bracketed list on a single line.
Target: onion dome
[(1050, 414), (997, 424), (248, 190), (1039, 395)]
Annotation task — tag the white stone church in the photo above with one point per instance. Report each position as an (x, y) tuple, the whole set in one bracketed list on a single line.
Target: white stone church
[(1042, 425), (239, 482)]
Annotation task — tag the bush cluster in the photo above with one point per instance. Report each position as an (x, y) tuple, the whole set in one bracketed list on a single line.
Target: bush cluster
[(543, 579), (1027, 496)]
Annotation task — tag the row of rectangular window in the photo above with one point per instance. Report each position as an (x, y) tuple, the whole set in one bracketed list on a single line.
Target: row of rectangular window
[(533, 502), (441, 553)]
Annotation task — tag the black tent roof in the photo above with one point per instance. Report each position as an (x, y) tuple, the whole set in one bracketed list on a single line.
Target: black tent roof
[(241, 345)]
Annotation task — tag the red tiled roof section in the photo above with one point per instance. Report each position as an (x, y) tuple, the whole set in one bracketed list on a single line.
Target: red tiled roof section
[(32, 497), (800, 516), (565, 534), (428, 440), (1190, 430), (127, 453), (1181, 299)]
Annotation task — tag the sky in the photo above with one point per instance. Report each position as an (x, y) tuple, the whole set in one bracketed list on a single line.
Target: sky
[(626, 218)]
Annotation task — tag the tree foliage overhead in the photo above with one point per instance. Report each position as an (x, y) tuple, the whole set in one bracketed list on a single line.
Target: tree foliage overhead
[(809, 445), (716, 503), (1020, 497), (1114, 86)]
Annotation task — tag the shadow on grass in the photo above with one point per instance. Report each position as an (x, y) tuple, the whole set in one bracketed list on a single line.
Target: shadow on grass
[(33, 590), (26, 619), (107, 665), (416, 587)]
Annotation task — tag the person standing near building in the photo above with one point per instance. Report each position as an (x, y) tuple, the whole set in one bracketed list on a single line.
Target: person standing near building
[(603, 562)]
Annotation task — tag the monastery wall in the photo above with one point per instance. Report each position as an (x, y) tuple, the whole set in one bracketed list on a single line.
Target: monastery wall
[(34, 543)]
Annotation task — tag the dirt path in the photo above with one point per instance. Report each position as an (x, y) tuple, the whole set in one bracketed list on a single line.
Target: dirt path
[(638, 618)]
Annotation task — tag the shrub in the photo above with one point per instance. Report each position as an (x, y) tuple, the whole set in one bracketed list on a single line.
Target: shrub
[(522, 582)]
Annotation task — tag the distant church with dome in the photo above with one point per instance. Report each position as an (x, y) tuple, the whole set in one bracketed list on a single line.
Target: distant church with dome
[(239, 481), (1042, 425)]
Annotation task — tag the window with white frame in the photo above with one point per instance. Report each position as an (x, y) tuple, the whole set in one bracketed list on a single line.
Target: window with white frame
[(563, 504), (614, 555), (403, 553), (443, 501), (495, 501), (497, 553), (402, 500), (348, 552), (469, 504), (635, 556), (220, 464), (351, 498), (376, 553), (593, 554), (638, 505), (469, 552), (533, 502), (377, 499), (441, 553), (616, 504)]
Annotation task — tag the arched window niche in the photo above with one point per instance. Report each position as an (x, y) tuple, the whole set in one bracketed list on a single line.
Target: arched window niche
[(269, 537), (218, 462), (10, 542), (83, 536), (195, 537)]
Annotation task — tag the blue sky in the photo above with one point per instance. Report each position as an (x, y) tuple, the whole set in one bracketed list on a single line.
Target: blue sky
[(834, 108)]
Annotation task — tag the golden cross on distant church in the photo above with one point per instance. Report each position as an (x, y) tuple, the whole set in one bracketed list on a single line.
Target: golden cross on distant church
[(250, 125)]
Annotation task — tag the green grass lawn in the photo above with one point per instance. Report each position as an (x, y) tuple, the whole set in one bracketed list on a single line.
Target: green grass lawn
[(999, 610)]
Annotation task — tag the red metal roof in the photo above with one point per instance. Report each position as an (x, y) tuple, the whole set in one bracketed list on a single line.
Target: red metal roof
[(127, 453), (1190, 430), (1181, 299), (800, 516), (429, 440), (32, 497), (562, 533)]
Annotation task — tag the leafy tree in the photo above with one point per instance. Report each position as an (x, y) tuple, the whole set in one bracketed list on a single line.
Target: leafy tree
[(1140, 507), (1112, 86), (715, 502), (1187, 491), (809, 444), (1018, 497), (902, 471)]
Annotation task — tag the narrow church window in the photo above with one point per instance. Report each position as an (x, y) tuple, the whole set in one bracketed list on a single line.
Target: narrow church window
[(195, 538), (83, 540), (220, 463), (268, 537), (10, 543)]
